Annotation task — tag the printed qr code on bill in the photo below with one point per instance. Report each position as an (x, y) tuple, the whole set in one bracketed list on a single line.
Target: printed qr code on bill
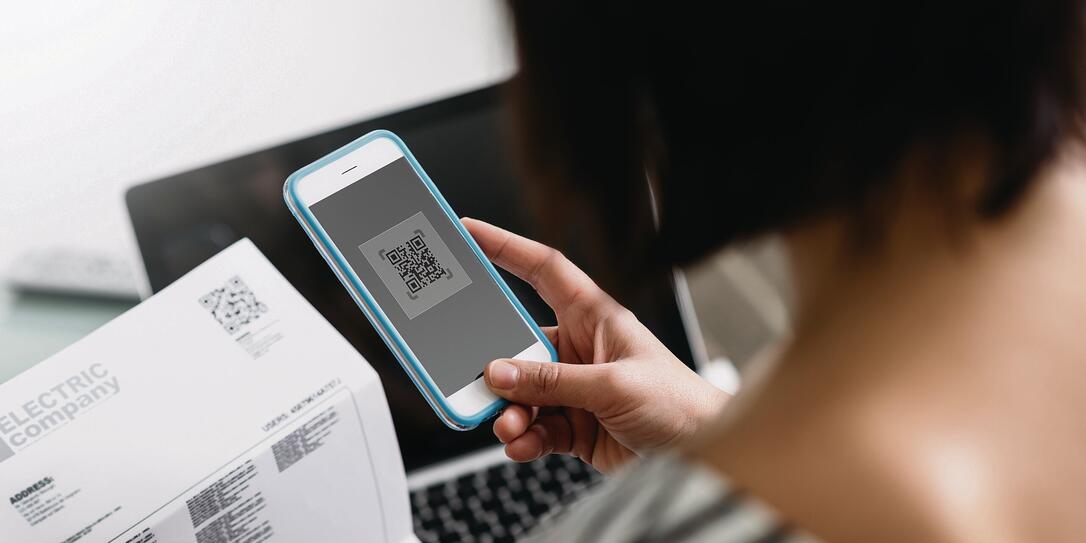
[(415, 263), (233, 305)]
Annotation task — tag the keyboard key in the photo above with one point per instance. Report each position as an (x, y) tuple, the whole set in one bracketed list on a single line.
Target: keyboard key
[(499, 503)]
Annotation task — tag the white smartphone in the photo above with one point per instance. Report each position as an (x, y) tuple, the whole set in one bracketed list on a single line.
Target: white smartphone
[(415, 272)]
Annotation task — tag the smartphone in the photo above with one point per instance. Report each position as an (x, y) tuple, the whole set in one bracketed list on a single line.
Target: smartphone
[(416, 273)]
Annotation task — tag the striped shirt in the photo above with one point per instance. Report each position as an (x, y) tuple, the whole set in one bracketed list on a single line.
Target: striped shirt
[(667, 499)]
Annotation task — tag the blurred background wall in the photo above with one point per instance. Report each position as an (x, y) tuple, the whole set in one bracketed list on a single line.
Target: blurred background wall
[(101, 94)]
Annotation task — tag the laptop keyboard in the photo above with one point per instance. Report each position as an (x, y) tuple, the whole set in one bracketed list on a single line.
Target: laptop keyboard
[(499, 503)]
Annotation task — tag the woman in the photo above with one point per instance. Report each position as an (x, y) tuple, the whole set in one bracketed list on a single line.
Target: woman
[(925, 165)]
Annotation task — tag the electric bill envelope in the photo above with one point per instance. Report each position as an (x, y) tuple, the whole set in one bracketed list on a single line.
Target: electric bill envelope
[(192, 418)]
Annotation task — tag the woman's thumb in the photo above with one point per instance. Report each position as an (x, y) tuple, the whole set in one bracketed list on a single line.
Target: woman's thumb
[(544, 384)]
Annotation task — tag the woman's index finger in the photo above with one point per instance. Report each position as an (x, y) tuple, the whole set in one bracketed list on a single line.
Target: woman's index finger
[(557, 280)]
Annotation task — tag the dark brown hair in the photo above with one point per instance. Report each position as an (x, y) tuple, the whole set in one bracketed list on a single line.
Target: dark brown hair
[(757, 116)]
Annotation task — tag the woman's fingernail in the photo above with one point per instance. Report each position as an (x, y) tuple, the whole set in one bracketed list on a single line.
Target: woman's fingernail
[(503, 375)]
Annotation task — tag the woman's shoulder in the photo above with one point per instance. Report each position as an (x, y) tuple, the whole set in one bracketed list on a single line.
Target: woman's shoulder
[(669, 498)]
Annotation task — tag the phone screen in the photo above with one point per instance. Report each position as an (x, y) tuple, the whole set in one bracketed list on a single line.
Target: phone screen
[(430, 284)]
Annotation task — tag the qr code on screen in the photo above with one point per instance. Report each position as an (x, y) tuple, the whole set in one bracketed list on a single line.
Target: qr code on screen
[(415, 263), (233, 305)]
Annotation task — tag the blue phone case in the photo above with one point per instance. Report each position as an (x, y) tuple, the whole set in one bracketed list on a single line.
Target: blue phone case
[(373, 312)]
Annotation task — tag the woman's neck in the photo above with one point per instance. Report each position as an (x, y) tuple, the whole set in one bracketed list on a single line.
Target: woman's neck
[(937, 387), (993, 290)]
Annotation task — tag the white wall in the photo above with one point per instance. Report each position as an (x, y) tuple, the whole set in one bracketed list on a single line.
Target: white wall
[(96, 95)]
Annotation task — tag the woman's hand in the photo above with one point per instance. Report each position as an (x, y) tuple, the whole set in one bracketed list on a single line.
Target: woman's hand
[(617, 392)]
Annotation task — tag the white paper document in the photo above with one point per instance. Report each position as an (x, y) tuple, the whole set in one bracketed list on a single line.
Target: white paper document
[(224, 409)]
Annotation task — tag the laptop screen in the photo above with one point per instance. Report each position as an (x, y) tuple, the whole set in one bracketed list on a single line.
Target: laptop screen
[(182, 220)]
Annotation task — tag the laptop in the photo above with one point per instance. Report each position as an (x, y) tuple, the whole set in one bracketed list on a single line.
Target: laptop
[(462, 487)]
